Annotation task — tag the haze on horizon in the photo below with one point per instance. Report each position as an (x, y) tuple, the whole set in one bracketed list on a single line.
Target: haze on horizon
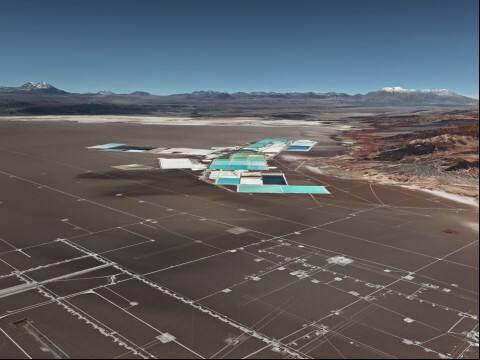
[(169, 47)]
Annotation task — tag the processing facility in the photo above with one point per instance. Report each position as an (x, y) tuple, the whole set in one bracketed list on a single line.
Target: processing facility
[(247, 169)]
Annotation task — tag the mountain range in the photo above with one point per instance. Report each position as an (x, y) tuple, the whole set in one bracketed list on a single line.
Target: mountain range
[(41, 98)]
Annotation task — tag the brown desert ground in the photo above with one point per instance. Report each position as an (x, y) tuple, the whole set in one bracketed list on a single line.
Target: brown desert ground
[(96, 262)]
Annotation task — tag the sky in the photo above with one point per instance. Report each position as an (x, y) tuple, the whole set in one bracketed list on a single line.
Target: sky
[(165, 47)]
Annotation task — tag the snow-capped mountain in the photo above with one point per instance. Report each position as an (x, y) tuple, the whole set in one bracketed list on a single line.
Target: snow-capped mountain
[(34, 87), (397, 89), (31, 85), (401, 90), (105, 93), (397, 95)]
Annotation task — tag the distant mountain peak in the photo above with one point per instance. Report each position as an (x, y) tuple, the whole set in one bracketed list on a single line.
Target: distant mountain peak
[(441, 92), (140, 93), (397, 95), (37, 87), (105, 92), (401, 90), (397, 89), (33, 85)]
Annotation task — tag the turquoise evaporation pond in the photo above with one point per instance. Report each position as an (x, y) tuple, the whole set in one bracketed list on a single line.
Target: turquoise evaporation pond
[(298, 148), (246, 166), (264, 142), (227, 181), (282, 189), (227, 164)]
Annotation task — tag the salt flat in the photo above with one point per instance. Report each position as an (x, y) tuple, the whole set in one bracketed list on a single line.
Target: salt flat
[(151, 263)]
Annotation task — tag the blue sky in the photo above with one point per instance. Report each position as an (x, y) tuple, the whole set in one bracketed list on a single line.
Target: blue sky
[(178, 46)]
